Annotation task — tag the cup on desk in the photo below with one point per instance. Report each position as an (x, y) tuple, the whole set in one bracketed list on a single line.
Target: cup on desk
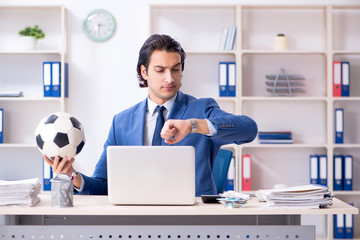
[(61, 191)]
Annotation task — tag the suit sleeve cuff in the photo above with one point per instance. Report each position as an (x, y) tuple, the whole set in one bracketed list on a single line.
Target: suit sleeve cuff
[(211, 127), (79, 190)]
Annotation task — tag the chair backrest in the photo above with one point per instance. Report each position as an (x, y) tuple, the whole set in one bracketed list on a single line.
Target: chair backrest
[(221, 168)]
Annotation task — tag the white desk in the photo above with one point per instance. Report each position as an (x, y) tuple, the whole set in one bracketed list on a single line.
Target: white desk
[(175, 221), (99, 205)]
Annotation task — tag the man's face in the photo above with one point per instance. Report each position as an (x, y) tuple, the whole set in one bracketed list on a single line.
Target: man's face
[(163, 75)]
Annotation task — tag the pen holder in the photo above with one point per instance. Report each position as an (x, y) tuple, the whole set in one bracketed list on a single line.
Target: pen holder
[(280, 42), (61, 191)]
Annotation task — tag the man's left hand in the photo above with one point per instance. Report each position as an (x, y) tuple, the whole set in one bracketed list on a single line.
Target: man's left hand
[(174, 130)]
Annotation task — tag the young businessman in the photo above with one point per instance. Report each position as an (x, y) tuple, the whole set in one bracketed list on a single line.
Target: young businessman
[(188, 121)]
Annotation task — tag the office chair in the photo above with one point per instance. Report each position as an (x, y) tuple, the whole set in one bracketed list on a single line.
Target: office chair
[(221, 168)]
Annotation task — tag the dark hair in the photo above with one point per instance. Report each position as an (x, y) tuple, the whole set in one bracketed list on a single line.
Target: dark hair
[(157, 42)]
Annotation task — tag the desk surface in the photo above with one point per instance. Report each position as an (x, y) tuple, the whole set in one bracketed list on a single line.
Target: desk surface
[(99, 205)]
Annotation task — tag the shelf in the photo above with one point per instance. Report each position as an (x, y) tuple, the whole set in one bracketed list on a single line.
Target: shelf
[(271, 98), (346, 99), (352, 145), (346, 52), (294, 145), (193, 6), (227, 99), (284, 7), (24, 99), (35, 52), (249, 51), (17, 145), (30, 7), (355, 192), (211, 52)]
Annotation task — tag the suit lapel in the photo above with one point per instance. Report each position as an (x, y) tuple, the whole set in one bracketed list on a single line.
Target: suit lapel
[(137, 123), (179, 108)]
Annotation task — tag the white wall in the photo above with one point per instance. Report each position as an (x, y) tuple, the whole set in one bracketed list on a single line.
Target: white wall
[(102, 76)]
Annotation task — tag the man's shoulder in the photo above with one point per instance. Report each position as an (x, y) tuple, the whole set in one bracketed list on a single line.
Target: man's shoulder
[(198, 101)]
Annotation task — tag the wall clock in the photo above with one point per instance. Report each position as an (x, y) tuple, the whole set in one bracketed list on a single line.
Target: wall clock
[(99, 25)]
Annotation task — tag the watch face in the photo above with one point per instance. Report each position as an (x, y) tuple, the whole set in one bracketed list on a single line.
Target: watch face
[(99, 25)]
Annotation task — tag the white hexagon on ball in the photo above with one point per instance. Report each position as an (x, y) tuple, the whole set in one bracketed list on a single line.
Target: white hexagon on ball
[(63, 124), (60, 134)]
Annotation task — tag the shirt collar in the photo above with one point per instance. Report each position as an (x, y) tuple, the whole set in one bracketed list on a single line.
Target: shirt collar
[(151, 105)]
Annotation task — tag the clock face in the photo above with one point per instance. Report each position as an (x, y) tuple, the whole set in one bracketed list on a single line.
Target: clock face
[(99, 25)]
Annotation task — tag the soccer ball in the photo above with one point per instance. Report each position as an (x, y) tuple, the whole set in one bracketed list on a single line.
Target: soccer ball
[(60, 134)]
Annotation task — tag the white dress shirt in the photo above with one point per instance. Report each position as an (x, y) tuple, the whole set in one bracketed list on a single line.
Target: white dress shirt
[(151, 116)]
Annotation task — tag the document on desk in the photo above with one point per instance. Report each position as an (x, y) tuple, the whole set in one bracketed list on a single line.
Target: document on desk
[(20, 192), (305, 196)]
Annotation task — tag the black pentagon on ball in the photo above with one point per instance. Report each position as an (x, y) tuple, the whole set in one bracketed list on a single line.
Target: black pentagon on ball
[(75, 123), (51, 119), (80, 147), (53, 158), (39, 141), (61, 139)]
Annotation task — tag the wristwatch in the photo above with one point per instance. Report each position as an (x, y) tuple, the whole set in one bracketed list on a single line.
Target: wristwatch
[(193, 125)]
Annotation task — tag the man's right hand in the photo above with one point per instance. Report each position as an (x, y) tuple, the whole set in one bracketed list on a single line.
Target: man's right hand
[(64, 166)]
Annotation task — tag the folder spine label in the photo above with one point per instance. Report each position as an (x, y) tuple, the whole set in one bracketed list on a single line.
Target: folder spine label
[(47, 175), (338, 173), (47, 79), (246, 172), (348, 173), (323, 170), (231, 79), (56, 79), (314, 169), (222, 79), (345, 79), (336, 79), (339, 125)]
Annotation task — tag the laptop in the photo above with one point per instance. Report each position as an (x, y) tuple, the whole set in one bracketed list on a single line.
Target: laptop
[(151, 175)]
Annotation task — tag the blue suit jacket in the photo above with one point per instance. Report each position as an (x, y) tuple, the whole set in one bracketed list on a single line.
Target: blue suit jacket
[(128, 129)]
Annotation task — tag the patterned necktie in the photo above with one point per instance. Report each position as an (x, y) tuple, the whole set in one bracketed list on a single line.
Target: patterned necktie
[(156, 141)]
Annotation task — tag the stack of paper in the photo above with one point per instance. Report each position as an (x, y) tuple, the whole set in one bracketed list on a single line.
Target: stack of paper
[(306, 196), (21, 192)]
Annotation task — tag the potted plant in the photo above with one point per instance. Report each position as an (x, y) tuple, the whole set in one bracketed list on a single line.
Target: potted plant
[(32, 35)]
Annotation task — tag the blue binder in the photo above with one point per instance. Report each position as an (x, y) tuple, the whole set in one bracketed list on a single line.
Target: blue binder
[(56, 78), (47, 79), (339, 125), (1, 125), (323, 170), (231, 75), (47, 175), (338, 172), (314, 169), (348, 172), (229, 184), (223, 81), (349, 226), (339, 226), (345, 79)]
